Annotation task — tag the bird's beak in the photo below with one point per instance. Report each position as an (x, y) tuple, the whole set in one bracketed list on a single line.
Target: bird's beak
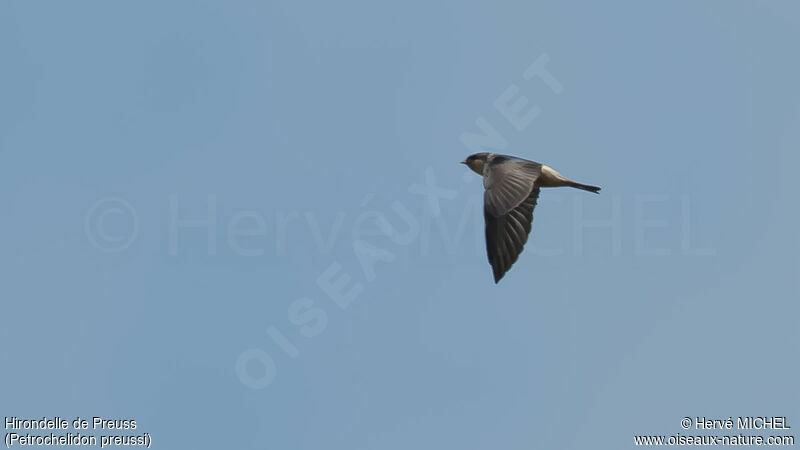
[(464, 161)]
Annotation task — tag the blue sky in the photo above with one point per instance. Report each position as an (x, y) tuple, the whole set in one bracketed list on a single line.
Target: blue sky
[(217, 220)]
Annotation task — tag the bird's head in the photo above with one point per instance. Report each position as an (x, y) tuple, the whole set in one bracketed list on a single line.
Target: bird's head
[(476, 161)]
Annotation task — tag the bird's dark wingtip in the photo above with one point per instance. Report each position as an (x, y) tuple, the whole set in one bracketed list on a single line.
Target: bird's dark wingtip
[(498, 277)]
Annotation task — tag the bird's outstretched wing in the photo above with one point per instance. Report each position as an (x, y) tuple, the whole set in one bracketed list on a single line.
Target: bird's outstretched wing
[(508, 182), (511, 194)]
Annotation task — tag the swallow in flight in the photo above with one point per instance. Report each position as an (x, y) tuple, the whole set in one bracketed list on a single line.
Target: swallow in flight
[(512, 188)]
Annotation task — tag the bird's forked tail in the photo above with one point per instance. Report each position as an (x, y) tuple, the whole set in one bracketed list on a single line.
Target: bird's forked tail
[(585, 187)]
